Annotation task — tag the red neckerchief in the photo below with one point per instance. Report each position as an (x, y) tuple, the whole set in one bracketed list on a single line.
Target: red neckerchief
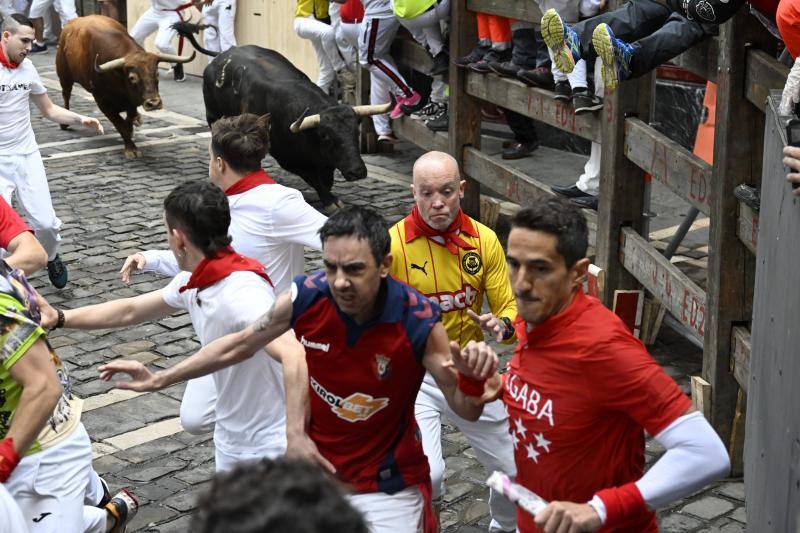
[(227, 261), (415, 226), (254, 179), (5, 61)]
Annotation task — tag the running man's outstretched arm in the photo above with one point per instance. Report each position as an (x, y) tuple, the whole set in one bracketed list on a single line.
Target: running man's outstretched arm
[(113, 314), (221, 353), (59, 115)]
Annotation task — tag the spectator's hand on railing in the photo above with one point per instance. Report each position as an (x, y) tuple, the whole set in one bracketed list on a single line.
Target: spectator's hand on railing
[(791, 91), (791, 158)]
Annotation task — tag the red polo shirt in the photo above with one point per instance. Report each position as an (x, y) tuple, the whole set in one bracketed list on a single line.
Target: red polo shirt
[(11, 224)]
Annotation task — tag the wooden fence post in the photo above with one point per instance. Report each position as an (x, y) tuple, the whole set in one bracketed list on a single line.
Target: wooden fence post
[(465, 111)]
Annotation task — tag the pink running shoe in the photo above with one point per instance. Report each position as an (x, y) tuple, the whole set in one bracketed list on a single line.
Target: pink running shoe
[(407, 105)]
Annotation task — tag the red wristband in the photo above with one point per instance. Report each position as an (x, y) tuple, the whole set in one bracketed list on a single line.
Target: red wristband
[(623, 504), (8, 459), (470, 386)]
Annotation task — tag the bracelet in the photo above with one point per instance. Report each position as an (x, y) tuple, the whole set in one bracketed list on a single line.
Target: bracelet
[(60, 321), (509, 332), (470, 386)]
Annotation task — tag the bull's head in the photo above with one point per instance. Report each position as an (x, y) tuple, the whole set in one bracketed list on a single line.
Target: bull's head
[(140, 71), (337, 130)]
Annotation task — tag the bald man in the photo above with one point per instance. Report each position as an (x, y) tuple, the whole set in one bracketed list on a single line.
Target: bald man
[(457, 262)]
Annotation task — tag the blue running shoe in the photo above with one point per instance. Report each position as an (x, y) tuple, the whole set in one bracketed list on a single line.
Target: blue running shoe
[(562, 41), (615, 54)]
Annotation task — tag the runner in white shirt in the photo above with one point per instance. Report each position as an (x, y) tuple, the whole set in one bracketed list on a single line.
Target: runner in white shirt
[(160, 17), (269, 222), (21, 167), (221, 14), (224, 292), (40, 10)]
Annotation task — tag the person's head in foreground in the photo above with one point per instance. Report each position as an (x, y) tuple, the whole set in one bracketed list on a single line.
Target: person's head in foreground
[(438, 189), (547, 261), (17, 37), (237, 147), (197, 218), (355, 252), (278, 495)]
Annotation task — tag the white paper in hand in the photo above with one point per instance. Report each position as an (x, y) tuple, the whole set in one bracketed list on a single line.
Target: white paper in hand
[(526, 499)]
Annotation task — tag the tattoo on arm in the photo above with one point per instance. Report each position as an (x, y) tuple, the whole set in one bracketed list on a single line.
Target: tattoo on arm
[(265, 319)]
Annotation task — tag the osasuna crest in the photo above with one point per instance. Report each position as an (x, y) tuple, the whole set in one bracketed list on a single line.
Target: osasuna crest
[(382, 368), (471, 262)]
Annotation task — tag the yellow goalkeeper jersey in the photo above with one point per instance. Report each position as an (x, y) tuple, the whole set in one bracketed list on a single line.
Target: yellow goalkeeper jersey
[(459, 281)]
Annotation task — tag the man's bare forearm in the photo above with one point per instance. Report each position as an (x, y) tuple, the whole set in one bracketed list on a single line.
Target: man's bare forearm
[(295, 379), (36, 404)]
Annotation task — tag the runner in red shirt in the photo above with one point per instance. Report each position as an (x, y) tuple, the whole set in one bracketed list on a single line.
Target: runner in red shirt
[(580, 389), (16, 238)]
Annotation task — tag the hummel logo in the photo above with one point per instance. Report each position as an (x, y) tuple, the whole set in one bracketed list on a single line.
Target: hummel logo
[(417, 267), (41, 517), (322, 346)]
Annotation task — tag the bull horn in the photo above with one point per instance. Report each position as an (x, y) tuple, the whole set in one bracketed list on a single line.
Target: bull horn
[(109, 65), (171, 58), (369, 110), (304, 122)]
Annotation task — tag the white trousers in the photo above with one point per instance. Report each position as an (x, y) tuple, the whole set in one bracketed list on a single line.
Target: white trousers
[(350, 33), (197, 405), (156, 20), (11, 519), (9, 7), (348, 48), (488, 437), (25, 175), (225, 462), (57, 489), (220, 13), (426, 28), (374, 44), (323, 40), (589, 181), (391, 513), (65, 9)]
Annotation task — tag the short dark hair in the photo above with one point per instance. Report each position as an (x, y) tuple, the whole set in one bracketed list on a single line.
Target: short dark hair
[(560, 218), (276, 495), (200, 210), (362, 223), (241, 141), (14, 21)]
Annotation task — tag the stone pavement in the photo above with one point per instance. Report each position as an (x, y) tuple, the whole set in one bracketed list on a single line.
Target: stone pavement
[(111, 207)]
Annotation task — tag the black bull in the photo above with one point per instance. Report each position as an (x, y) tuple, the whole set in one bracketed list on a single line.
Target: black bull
[(311, 135)]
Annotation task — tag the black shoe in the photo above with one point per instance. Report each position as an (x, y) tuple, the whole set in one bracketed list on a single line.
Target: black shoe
[(585, 102), (57, 272), (519, 150), (38, 48), (441, 122), (749, 195), (570, 192), (472, 57), (441, 64), (492, 56), (507, 69), (586, 203), (177, 73), (538, 77), (562, 91)]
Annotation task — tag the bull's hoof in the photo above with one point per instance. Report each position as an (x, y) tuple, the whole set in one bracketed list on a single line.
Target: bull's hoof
[(331, 208), (132, 153), (64, 126)]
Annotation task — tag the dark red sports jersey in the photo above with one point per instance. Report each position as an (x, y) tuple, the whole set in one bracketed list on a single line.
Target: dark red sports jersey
[(579, 390), (363, 382)]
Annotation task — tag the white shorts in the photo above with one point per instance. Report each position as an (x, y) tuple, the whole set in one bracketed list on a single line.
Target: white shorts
[(11, 520), (391, 513)]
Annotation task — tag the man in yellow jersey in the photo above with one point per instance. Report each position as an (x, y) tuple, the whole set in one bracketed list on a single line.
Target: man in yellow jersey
[(457, 261)]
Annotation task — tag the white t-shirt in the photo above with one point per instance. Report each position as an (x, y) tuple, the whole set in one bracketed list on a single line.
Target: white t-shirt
[(270, 223), (16, 84), (250, 408), (378, 9), (11, 520)]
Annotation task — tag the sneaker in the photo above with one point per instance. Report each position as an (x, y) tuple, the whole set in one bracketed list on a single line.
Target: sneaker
[(441, 122), (562, 91), (177, 73), (57, 272), (585, 102), (390, 138), (123, 507), (492, 56), (407, 105), (615, 54), (563, 42), (749, 195), (430, 110), (507, 69), (472, 57), (106, 494), (538, 77), (37, 48), (441, 64)]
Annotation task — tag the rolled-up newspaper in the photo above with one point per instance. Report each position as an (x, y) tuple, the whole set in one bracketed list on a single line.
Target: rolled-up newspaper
[(528, 500)]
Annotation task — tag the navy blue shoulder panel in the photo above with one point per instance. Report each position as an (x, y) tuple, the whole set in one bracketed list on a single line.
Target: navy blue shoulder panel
[(309, 289)]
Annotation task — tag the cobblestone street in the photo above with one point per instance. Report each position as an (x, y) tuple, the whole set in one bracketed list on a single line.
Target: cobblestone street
[(111, 207)]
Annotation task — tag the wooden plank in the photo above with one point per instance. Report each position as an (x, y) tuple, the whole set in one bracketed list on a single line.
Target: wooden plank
[(415, 132), (701, 395), (534, 103), (515, 10), (747, 228), (684, 173), (408, 52), (701, 59), (764, 74), (740, 362), (515, 185), (680, 295), (736, 445)]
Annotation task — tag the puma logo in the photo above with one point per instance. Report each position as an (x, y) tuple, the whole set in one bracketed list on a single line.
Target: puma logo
[(422, 268), (41, 517)]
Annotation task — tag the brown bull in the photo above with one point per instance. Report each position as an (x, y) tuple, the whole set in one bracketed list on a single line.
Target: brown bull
[(98, 53)]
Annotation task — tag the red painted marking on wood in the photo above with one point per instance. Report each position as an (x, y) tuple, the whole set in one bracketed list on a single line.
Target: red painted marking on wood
[(698, 186)]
